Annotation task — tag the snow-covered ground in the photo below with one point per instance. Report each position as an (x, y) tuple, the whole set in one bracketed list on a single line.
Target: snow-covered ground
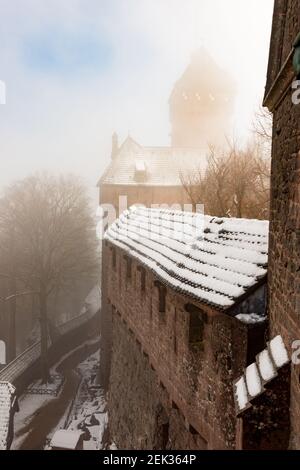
[(28, 404), (89, 410), (84, 410)]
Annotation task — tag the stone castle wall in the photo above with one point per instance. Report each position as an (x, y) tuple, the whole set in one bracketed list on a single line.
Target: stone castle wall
[(284, 252), (163, 386)]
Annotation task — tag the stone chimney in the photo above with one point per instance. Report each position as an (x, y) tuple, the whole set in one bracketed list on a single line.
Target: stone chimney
[(114, 145)]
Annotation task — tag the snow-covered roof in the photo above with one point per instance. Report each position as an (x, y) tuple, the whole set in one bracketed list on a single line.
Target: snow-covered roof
[(251, 318), (251, 383), (65, 439), (214, 260), (7, 390), (160, 165)]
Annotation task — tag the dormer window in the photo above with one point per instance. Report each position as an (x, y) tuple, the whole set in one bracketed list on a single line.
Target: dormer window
[(140, 171)]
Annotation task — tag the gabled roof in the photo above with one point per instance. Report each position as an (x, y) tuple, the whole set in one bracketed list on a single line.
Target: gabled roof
[(163, 165), (7, 390), (215, 261)]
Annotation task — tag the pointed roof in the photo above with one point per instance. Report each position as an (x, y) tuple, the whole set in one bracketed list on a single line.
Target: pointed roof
[(129, 146), (203, 76)]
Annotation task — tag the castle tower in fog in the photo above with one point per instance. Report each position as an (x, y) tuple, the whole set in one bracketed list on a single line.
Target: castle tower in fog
[(201, 104)]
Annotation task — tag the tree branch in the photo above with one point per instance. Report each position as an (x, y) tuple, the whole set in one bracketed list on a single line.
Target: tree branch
[(18, 294)]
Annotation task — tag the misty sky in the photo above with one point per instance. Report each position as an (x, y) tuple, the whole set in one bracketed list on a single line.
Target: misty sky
[(76, 70)]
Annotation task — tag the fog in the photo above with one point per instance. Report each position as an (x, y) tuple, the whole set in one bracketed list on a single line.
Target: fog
[(76, 71)]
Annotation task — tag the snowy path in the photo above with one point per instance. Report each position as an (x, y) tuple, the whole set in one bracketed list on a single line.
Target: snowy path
[(89, 412), (33, 429)]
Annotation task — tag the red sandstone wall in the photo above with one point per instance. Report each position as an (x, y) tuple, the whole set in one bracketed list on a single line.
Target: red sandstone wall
[(141, 415), (199, 384), (284, 258)]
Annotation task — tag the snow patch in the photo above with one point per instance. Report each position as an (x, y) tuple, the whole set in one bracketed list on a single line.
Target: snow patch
[(65, 439), (251, 318), (253, 381), (278, 351), (266, 367), (241, 393)]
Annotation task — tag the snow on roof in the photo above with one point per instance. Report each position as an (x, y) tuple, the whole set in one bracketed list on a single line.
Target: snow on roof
[(213, 260), (251, 318), (253, 382), (278, 351), (241, 393), (65, 439), (7, 390), (266, 367), (259, 373), (160, 165)]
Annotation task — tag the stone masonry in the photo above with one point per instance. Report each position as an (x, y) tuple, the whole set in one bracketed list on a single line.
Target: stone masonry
[(284, 251), (165, 391)]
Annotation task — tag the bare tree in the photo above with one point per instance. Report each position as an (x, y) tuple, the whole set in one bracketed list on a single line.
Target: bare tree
[(54, 239), (234, 184), (262, 124), (10, 298), (262, 129)]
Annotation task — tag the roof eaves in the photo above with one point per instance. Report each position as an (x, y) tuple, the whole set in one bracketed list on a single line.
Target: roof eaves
[(220, 308)]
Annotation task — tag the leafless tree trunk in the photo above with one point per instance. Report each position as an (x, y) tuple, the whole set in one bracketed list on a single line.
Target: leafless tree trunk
[(12, 346), (13, 301), (54, 243), (44, 333)]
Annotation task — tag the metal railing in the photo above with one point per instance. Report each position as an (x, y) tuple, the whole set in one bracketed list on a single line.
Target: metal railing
[(24, 360), (27, 358)]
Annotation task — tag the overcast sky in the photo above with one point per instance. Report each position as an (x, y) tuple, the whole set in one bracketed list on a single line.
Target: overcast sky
[(76, 70)]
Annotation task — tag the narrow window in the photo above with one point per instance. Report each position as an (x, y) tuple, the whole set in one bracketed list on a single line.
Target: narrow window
[(197, 320), (175, 345), (114, 259), (162, 291), (143, 280), (174, 331), (142, 272), (162, 300), (128, 267)]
